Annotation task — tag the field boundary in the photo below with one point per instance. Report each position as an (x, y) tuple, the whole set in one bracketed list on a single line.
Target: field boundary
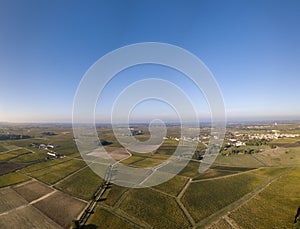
[(208, 221)]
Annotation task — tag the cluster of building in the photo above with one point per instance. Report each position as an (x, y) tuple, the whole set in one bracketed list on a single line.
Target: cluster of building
[(235, 142), (188, 139), (49, 148), (133, 132), (43, 146), (273, 135)]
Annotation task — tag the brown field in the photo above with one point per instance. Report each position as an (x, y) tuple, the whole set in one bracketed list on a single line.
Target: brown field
[(280, 156), (7, 167), (32, 190), (61, 208), (26, 217), (117, 153), (9, 200)]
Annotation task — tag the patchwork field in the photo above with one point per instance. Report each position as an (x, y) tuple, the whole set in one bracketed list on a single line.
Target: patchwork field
[(44, 165), (19, 204), (8, 167), (145, 204), (239, 160), (212, 173), (173, 186), (104, 219), (114, 194), (280, 200), (10, 200), (235, 190), (12, 178), (222, 223), (204, 198), (32, 190), (57, 172), (28, 217), (61, 208), (82, 184)]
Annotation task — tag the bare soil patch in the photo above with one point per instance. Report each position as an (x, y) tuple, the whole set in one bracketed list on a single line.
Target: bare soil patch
[(26, 217), (32, 190), (61, 208), (10, 200), (7, 167)]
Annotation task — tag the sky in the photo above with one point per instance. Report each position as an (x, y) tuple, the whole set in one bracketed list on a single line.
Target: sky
[(251, 47)]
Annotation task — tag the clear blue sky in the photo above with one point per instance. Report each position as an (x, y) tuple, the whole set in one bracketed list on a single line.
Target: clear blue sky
[(251, 47)]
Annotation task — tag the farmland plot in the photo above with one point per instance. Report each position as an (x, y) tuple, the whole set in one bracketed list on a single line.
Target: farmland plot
[(10, 200), (12, 178), (207, 197), (146, 204), (61, 208), (280, 200), (27, 217), (32, 190), (57, 172), (82, 184)]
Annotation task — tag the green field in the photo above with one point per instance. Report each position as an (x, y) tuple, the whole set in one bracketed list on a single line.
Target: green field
[(173, 186), (114, 194), (82, 184), (274, 207), (146, 205), (212, 173), (2, 148), (191, 170), (44, 165), (6, 156), (104, 219), (147, 162), (57, 172), (240, 160), (29, 157), (207, 197), (12, 178), (270, 172), (22, 156), (221, 224), (19, 151), (144, 160)]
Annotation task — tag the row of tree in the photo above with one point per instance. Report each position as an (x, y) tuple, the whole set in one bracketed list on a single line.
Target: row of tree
[(13, 136)]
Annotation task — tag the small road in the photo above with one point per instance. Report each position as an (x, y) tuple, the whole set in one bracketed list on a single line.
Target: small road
[(222, 177), (260, 161), (17, 147), (185, 211)]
